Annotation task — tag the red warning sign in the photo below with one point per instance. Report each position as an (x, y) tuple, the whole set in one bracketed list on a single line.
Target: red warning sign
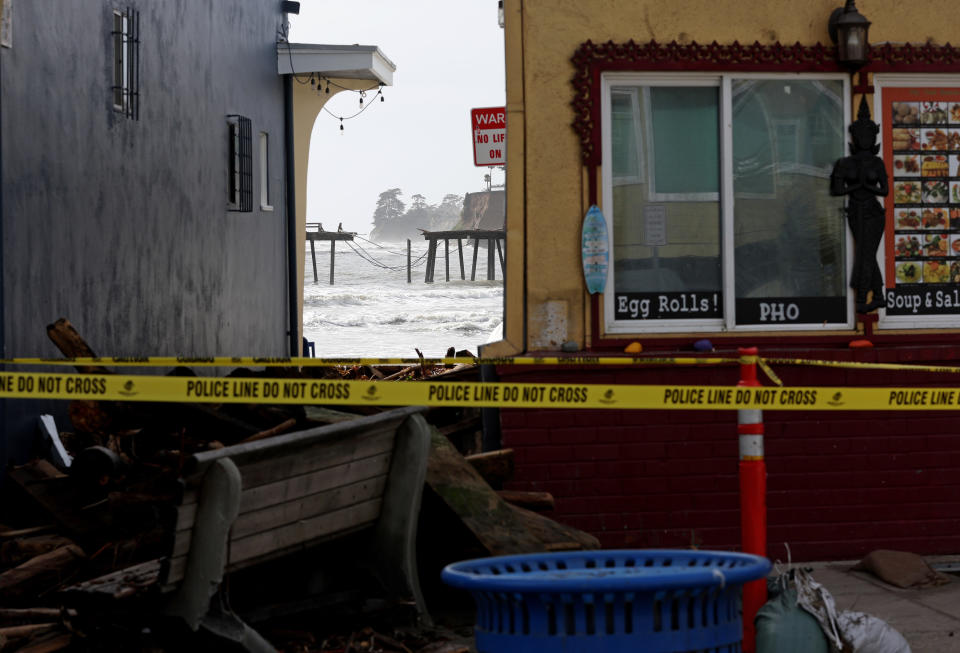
[(489, 127)]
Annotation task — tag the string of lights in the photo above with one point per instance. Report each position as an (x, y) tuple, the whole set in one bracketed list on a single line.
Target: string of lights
[(316, 81)]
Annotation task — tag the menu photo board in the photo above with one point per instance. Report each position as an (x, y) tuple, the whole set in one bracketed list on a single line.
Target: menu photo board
[(921, 150)]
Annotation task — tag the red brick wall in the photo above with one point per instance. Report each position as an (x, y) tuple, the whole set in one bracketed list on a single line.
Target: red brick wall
[(840, 484)]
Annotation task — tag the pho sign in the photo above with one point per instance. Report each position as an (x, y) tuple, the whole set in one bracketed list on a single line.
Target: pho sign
[(489, 136)]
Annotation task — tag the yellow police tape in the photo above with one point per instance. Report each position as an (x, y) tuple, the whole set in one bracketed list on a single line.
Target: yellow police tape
[(229, 361), (116, 387), (285, 361)]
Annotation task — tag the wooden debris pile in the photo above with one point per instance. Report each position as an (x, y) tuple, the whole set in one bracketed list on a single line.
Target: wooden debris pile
[(107, 503)]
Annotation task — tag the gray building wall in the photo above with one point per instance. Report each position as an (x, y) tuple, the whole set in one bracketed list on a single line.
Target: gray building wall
[(121, 225)]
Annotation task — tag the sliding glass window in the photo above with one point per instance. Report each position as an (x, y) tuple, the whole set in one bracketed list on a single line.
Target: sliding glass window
[(718, 197)]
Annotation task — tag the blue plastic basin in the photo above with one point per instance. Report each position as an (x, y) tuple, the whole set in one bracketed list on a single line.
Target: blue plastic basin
[(622, 600)]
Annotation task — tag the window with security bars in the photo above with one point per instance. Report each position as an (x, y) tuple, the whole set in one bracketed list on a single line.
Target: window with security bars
[(126, 62), (240, 164)]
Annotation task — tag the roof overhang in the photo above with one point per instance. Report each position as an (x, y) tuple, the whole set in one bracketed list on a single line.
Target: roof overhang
[(335, 61)]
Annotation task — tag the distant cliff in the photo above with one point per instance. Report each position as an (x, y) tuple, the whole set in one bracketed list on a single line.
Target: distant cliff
[(394, 222), (484, 210)]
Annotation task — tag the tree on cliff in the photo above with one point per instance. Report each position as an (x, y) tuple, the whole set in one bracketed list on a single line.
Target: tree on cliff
[(393, 223), (418, 202), (389, 207)]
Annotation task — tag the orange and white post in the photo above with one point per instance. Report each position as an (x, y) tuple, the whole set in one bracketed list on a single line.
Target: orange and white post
[(753, 495)]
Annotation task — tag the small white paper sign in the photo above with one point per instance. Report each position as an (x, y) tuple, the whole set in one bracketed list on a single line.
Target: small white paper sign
[(654, 225)]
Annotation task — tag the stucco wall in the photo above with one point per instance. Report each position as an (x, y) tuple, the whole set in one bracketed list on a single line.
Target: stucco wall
[(545, 181), (307, 105), (121, 225)]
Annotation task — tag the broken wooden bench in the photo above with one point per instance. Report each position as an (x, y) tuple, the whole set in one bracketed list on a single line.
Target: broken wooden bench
[(253, 502)]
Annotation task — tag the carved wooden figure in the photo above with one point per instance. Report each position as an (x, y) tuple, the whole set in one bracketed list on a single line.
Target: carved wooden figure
[(862, 177)]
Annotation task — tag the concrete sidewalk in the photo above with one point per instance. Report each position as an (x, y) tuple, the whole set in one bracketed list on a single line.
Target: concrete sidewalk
[(929, 619)]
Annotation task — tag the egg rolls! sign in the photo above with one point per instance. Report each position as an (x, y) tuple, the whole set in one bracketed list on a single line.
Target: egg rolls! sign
[(921, 147)]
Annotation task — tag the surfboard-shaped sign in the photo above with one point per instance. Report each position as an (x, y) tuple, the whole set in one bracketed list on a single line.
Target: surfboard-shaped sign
[(596, 250)]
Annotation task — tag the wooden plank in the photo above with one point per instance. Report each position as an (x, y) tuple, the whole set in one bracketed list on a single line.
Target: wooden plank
[(317, 458), (500, 527), (178, 567), (473, 270), (330, 235), (496, 467), (296, 510), (491, 271), (243, 454), (286, 464), (503, 267), (536, 501), (264, 546), (320, 481), (466, 233), (333, 258), (181, 542), (124, 583), (308, 507), (305, 531), (295, 488)]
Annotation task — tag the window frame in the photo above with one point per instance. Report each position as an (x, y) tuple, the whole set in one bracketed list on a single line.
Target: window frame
[(239, 164), (264, 152), (638, 140), (883, 81), (125, 51), (723, 78)]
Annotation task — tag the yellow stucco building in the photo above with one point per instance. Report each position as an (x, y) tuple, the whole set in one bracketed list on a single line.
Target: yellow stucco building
[(318, 73), (549, 176), (711, 136)]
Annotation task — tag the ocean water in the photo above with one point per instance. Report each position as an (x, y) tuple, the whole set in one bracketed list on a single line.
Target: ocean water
[(371, 310)]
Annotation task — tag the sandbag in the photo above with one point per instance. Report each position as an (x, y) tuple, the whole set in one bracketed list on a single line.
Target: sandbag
[(782, 626), (847, 631), (902, 569), (868, 634)]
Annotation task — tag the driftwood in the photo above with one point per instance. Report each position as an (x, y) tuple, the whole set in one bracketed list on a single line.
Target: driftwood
[(40, 573), (401, 373), (283, 427), (27, 630), (19, 616), (21, 549), (496, 467), (71, 345), (536, 501), (25, 532), (500, 527), (103, 416), (47, 643)]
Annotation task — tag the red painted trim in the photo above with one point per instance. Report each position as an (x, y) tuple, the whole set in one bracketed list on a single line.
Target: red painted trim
[(909, 58), (935, 353), (590, 60), (807, 342), (750, 429)]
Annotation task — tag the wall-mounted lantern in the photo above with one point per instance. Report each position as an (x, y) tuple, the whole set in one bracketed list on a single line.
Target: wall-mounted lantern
[(500, 13), (848, 29)]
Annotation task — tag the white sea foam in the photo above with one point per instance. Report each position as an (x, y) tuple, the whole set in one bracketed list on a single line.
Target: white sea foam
[(373, 311)]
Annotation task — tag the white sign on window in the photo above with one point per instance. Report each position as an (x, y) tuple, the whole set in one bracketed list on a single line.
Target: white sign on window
[(654, 225)]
